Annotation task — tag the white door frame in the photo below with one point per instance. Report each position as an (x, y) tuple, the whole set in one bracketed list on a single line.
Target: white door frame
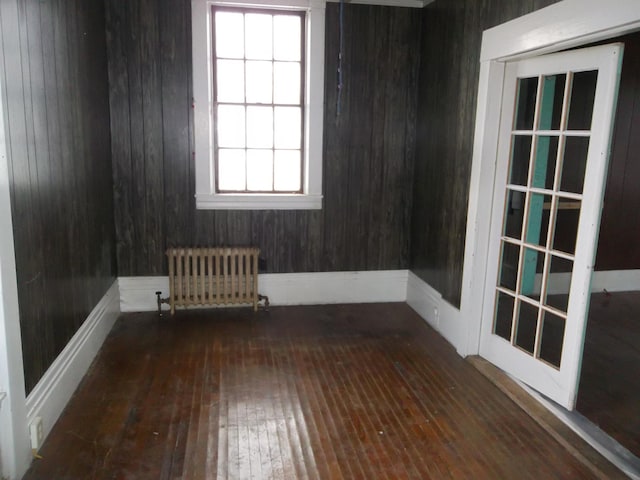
[(566, 24), (15, 449), (557, 382)]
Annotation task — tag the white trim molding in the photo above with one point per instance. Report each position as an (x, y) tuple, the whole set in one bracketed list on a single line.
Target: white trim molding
[(615, 281), (391, 3), (137, 294), (335, 287), (15, 453), (609, 280), (436, 311), (560, 26), (53, 391), (248, 201)]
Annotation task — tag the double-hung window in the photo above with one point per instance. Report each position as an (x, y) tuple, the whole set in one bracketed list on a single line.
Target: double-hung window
[(258, 94)]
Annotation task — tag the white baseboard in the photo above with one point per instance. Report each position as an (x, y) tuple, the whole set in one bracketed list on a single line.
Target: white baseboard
[(616, 281), (53, 391), (437, 312), (335, 287), (137, 294), (609, 280)]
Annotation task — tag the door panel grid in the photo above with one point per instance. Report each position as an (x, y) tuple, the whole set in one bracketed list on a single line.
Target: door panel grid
[(547, 192), (546, 176)]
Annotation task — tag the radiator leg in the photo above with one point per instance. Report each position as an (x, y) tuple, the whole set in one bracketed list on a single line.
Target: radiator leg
[(266, 301), (164, 300), (159, 304)]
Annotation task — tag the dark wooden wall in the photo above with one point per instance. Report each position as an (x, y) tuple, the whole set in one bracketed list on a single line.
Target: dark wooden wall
[(448, 86), (619, 244), (54, 83), (369, 149)]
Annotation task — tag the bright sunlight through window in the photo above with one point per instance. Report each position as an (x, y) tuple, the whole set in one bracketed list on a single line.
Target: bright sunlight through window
[(259, 98)]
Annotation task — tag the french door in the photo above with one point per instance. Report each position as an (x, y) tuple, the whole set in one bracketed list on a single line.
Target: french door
[(555, 131)]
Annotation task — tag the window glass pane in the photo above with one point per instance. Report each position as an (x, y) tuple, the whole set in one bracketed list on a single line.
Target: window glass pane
[(514, 214), (532, 267), (259, 64), (526, 103), (504, 316), (544, 165), (287, 82), (520, 154), (229, 35), (258, 36), (538, 219), (260, 127), (231, 126), (509, 266), (286, 175), (552, 338), (231, 169), (286, 37), (259, 77), (526, 326), (230, 81), (260, 170), (566, 225), (574, 164), (559, 283), (287, 127), (551, 102), (583, 94)]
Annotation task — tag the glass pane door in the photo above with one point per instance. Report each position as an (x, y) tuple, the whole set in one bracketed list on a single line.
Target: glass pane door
[(549, 145), (552, 156)]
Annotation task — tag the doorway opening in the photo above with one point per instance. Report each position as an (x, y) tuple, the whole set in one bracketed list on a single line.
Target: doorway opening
[(609, 390), (561, 26)]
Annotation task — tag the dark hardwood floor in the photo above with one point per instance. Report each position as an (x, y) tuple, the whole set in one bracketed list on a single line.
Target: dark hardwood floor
[(329, 392), (609, 393)]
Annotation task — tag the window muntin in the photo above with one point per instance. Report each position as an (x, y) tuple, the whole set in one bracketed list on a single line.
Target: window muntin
[(204, 109), (258, 88)]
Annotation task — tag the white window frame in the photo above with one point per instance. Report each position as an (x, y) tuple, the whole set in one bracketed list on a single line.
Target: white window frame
[(206, 195)]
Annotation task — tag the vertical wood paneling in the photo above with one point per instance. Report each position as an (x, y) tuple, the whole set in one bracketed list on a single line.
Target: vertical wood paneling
[(619, 245), (364, 222), (120, 120), (78, 237), (175, 64), (55, 236), (54, 82), (450, 53), (152, 132)]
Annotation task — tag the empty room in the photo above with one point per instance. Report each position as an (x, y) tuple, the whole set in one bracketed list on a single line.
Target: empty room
[(307, 239)]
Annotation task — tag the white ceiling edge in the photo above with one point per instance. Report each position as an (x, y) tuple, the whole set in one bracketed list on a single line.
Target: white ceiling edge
[(390, 3)]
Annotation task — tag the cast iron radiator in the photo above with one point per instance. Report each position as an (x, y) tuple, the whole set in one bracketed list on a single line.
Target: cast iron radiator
[(213, 276)]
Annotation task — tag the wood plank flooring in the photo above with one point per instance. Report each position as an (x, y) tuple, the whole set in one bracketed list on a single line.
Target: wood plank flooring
[(326, 392), (609, 393)]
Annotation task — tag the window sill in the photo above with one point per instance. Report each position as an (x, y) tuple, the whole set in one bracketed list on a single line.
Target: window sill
[(231, 201)]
